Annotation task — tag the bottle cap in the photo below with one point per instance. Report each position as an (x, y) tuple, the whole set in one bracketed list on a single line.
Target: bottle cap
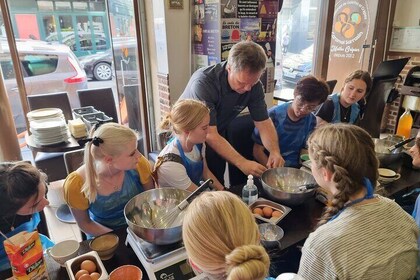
[(250, 181)]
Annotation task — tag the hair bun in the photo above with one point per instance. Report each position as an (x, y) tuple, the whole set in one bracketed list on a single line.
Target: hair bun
[(254, 256)]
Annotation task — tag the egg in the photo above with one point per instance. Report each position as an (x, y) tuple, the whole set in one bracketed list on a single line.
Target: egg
[(88, 265), (80, 273), (267, 211), (276, 214), (85, 277), (95, 276), (257, 211)]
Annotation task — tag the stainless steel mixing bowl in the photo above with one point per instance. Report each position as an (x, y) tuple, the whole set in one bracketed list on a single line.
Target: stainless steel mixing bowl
[(386, 157), (148, 206), (282, 184)]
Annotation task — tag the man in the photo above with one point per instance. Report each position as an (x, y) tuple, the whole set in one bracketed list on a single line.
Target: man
[(227, 88)]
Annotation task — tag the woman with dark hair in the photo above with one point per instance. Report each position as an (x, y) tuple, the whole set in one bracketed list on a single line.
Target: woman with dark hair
[(23, 190)]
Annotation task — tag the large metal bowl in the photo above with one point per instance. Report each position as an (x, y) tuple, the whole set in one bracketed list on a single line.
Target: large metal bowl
[(161, 201), (282, 184), (386, 157)]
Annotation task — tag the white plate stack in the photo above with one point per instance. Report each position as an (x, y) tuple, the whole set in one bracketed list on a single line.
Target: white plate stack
[(48, 126)]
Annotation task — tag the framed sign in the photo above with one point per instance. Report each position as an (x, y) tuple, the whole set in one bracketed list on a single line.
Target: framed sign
[(405, 39), (176, 4)]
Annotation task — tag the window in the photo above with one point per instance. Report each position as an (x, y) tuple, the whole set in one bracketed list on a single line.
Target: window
[(39, 64), (7, 69)]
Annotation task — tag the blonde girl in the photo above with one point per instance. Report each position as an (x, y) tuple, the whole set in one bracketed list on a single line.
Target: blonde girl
[(182, 164), (222, 238), (113, 172), (353, 237)]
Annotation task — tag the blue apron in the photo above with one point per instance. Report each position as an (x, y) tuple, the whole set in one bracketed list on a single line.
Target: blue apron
[(369, 195), (194, 168), (29, 226), (109, 210), (354, 113)]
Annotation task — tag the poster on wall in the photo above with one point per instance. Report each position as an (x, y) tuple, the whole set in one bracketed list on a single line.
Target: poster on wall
[(225, 50), (268, 9), (199, 14), (230, 30), (228, 8), (352, 34), (250, 28), (248, 8)]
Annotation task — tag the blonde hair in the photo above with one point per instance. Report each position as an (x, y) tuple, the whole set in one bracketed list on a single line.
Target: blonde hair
[(214, 240), (186, 114), (115, 138), (349, 153)]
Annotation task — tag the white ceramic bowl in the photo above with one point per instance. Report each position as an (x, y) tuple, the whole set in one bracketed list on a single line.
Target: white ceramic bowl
[(64, 251)]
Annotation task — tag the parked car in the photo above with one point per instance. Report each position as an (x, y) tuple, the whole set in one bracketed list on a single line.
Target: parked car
[(46, 69), (297, 65), (86, 41), (98, 66)]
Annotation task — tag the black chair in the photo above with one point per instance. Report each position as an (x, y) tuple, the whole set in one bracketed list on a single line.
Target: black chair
[(101, 99), (331, 84), (51, 163), (375, 105), (238, 134)]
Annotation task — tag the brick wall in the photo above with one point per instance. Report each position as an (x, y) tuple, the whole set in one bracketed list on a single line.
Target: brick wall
[(391, 110), (164, 97)]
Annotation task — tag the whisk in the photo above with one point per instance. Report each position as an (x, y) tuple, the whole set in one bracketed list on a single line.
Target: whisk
[(169, 218)]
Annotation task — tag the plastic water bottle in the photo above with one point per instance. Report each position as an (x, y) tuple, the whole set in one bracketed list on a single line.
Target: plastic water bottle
[(250, 191)]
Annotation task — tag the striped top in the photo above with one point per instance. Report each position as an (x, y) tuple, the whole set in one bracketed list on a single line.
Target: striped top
[(376, 240)]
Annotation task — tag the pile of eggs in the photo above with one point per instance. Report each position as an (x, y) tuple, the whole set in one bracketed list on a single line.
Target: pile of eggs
[(88, 271), (267, 212)]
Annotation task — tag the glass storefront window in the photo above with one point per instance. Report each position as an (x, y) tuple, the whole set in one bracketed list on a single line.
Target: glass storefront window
[(296, 30), (97, 6), (62, 6), (65, 24), (80, 6), (45, 5), (49, 25)]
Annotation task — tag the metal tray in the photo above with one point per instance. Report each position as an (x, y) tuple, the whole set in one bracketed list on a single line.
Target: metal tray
[(261, 202)]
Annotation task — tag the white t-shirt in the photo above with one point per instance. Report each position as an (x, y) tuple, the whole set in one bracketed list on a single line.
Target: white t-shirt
[(173, 174)]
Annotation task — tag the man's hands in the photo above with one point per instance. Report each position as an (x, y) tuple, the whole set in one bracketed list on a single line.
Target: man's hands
[(251, 167), (275, 160)]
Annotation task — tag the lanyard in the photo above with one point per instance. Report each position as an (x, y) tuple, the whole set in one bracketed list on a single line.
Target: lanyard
[(369, 195)]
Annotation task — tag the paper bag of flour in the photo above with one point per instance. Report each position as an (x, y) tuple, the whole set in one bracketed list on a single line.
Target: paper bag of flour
[(24, 251)]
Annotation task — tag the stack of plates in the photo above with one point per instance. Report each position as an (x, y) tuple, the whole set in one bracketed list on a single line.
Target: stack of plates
[(48, 126), (387, 175)]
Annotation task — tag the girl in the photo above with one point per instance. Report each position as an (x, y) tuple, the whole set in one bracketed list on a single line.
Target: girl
[(354, 236), (23, 189), (215, 243), (343, 106), (182, 164), (113, 172)]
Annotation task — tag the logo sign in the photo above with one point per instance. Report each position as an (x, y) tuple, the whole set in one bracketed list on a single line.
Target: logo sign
[(350, 29)]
